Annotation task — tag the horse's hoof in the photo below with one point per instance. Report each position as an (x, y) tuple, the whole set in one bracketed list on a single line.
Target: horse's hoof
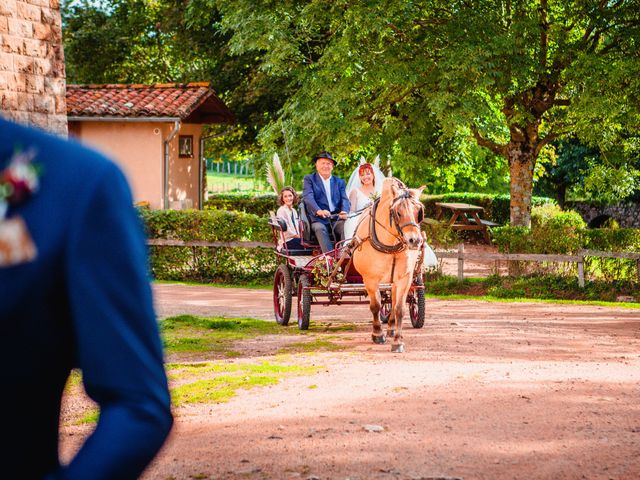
[(379, 339), (399, 348)]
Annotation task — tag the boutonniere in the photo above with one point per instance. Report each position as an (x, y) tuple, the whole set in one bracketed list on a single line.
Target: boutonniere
[(18, 181)]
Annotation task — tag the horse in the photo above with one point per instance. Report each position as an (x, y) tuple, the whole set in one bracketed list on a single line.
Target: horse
[(387, 247)]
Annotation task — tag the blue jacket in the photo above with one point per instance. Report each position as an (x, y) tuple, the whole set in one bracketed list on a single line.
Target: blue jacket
[(84, 302), (315, 197)]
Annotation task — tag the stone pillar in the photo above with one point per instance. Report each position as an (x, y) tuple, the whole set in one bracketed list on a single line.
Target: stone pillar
[(32, 75)]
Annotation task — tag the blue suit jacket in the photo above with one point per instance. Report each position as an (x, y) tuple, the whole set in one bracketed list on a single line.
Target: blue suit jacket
[(315, 197), (85, 301)]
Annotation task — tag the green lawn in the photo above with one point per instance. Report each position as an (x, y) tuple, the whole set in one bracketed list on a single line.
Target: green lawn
[(222, 182)]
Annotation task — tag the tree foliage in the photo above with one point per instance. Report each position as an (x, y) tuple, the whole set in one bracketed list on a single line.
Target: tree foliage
[(167, 41), (416, 80), (442, 89)]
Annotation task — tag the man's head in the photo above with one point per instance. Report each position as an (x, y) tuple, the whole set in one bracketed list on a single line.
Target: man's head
[(324, 164)]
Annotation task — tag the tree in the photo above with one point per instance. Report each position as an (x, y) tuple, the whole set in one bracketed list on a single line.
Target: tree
[(417, 80), (167, 41), (568, 170)]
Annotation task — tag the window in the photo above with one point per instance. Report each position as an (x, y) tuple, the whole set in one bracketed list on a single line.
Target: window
[(185, 146)]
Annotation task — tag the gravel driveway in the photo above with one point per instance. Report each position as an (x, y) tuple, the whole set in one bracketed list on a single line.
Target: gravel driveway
[(484, 391)]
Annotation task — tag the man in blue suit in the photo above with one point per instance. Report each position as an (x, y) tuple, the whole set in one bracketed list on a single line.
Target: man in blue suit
[(326, 201), (74, 293)]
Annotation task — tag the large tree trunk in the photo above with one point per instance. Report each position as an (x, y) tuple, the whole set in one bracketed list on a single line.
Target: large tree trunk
[(522, 159)]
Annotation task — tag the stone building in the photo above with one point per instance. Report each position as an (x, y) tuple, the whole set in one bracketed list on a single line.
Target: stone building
[(32, 75)]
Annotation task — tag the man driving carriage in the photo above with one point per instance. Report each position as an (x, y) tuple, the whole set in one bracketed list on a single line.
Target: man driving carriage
[(326, 202)]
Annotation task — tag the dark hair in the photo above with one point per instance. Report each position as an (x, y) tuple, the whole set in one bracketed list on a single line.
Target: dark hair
[(289, 189)]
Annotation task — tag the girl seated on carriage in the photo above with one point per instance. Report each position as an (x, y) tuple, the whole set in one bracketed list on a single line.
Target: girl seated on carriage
[(288, 198)]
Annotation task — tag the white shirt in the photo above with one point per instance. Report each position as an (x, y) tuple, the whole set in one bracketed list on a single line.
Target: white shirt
[(327, 190)]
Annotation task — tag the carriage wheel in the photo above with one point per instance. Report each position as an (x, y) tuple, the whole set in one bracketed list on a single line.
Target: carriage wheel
[(304, 303), (385, 312), (282, 295), (416, 305)]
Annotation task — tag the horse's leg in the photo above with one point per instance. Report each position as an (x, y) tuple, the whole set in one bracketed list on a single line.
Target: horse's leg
[(397, 307), (374, 305)]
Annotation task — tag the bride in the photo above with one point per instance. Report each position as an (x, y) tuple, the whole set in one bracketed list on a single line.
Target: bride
[(365, 185)]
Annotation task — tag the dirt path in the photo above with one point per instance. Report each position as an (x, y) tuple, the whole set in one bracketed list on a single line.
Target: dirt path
[(484, 391)]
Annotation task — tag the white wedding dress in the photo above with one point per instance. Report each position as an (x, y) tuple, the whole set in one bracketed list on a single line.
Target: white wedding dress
[(362, 202)]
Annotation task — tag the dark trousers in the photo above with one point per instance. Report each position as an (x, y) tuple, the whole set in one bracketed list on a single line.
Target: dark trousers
[(325, 233)]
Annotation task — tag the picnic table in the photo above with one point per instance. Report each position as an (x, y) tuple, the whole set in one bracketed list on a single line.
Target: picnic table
[(464, 216)]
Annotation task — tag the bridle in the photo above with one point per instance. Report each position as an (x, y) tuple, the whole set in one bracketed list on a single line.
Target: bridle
[(394, 221)]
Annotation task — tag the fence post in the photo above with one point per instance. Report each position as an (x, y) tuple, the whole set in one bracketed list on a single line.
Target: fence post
[(581, 272), (461, 262)]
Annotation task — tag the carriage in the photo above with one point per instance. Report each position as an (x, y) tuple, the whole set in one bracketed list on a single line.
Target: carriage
[(314, 278)]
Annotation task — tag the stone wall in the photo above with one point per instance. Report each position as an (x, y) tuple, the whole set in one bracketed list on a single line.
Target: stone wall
[(32, 75), (627, 215)]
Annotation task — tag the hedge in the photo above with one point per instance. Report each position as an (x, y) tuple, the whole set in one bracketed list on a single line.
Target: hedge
[(567, 239), (209, 264), (259, 205), (553, 232), (496, 207)]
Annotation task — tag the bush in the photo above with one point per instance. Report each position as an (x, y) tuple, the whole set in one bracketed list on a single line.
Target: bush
[(550, 215), (496, 207), (209, 264), (259, 205), (206, 225), (557, 238)]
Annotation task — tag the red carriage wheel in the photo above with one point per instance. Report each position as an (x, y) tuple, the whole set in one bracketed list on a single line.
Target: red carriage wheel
[(282, 294), (385, 312), (304, 302), (416, 304)]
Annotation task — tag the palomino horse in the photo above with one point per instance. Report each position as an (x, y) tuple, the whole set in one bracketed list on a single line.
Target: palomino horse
[(389, 244)]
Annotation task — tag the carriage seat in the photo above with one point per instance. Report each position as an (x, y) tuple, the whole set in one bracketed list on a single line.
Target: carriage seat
[(308, 237)]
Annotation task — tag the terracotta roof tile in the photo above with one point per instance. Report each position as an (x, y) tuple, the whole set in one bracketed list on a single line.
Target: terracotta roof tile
[(191, 102)]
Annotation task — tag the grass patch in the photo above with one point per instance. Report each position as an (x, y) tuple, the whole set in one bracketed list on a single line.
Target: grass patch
[(548, 287), (313, 346), (190, 333), (220, 388), (185, 370), (74, 380), (217, 390), (90, 417), (225, 182), (332, 327), (249, 285)]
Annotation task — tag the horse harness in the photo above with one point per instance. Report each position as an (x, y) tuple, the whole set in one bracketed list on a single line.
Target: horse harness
[(394, 220)]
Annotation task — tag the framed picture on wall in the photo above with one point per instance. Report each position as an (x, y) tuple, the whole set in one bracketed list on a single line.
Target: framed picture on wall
[(185, 146)]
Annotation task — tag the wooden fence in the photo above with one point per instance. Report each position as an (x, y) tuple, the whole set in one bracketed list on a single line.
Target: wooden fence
[(459, 254)]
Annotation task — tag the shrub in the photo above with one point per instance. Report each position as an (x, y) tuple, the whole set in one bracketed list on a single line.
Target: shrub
[(553, 216), (556, 238), (207, 225), (209, 264), (496, 207), (259, 205)]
